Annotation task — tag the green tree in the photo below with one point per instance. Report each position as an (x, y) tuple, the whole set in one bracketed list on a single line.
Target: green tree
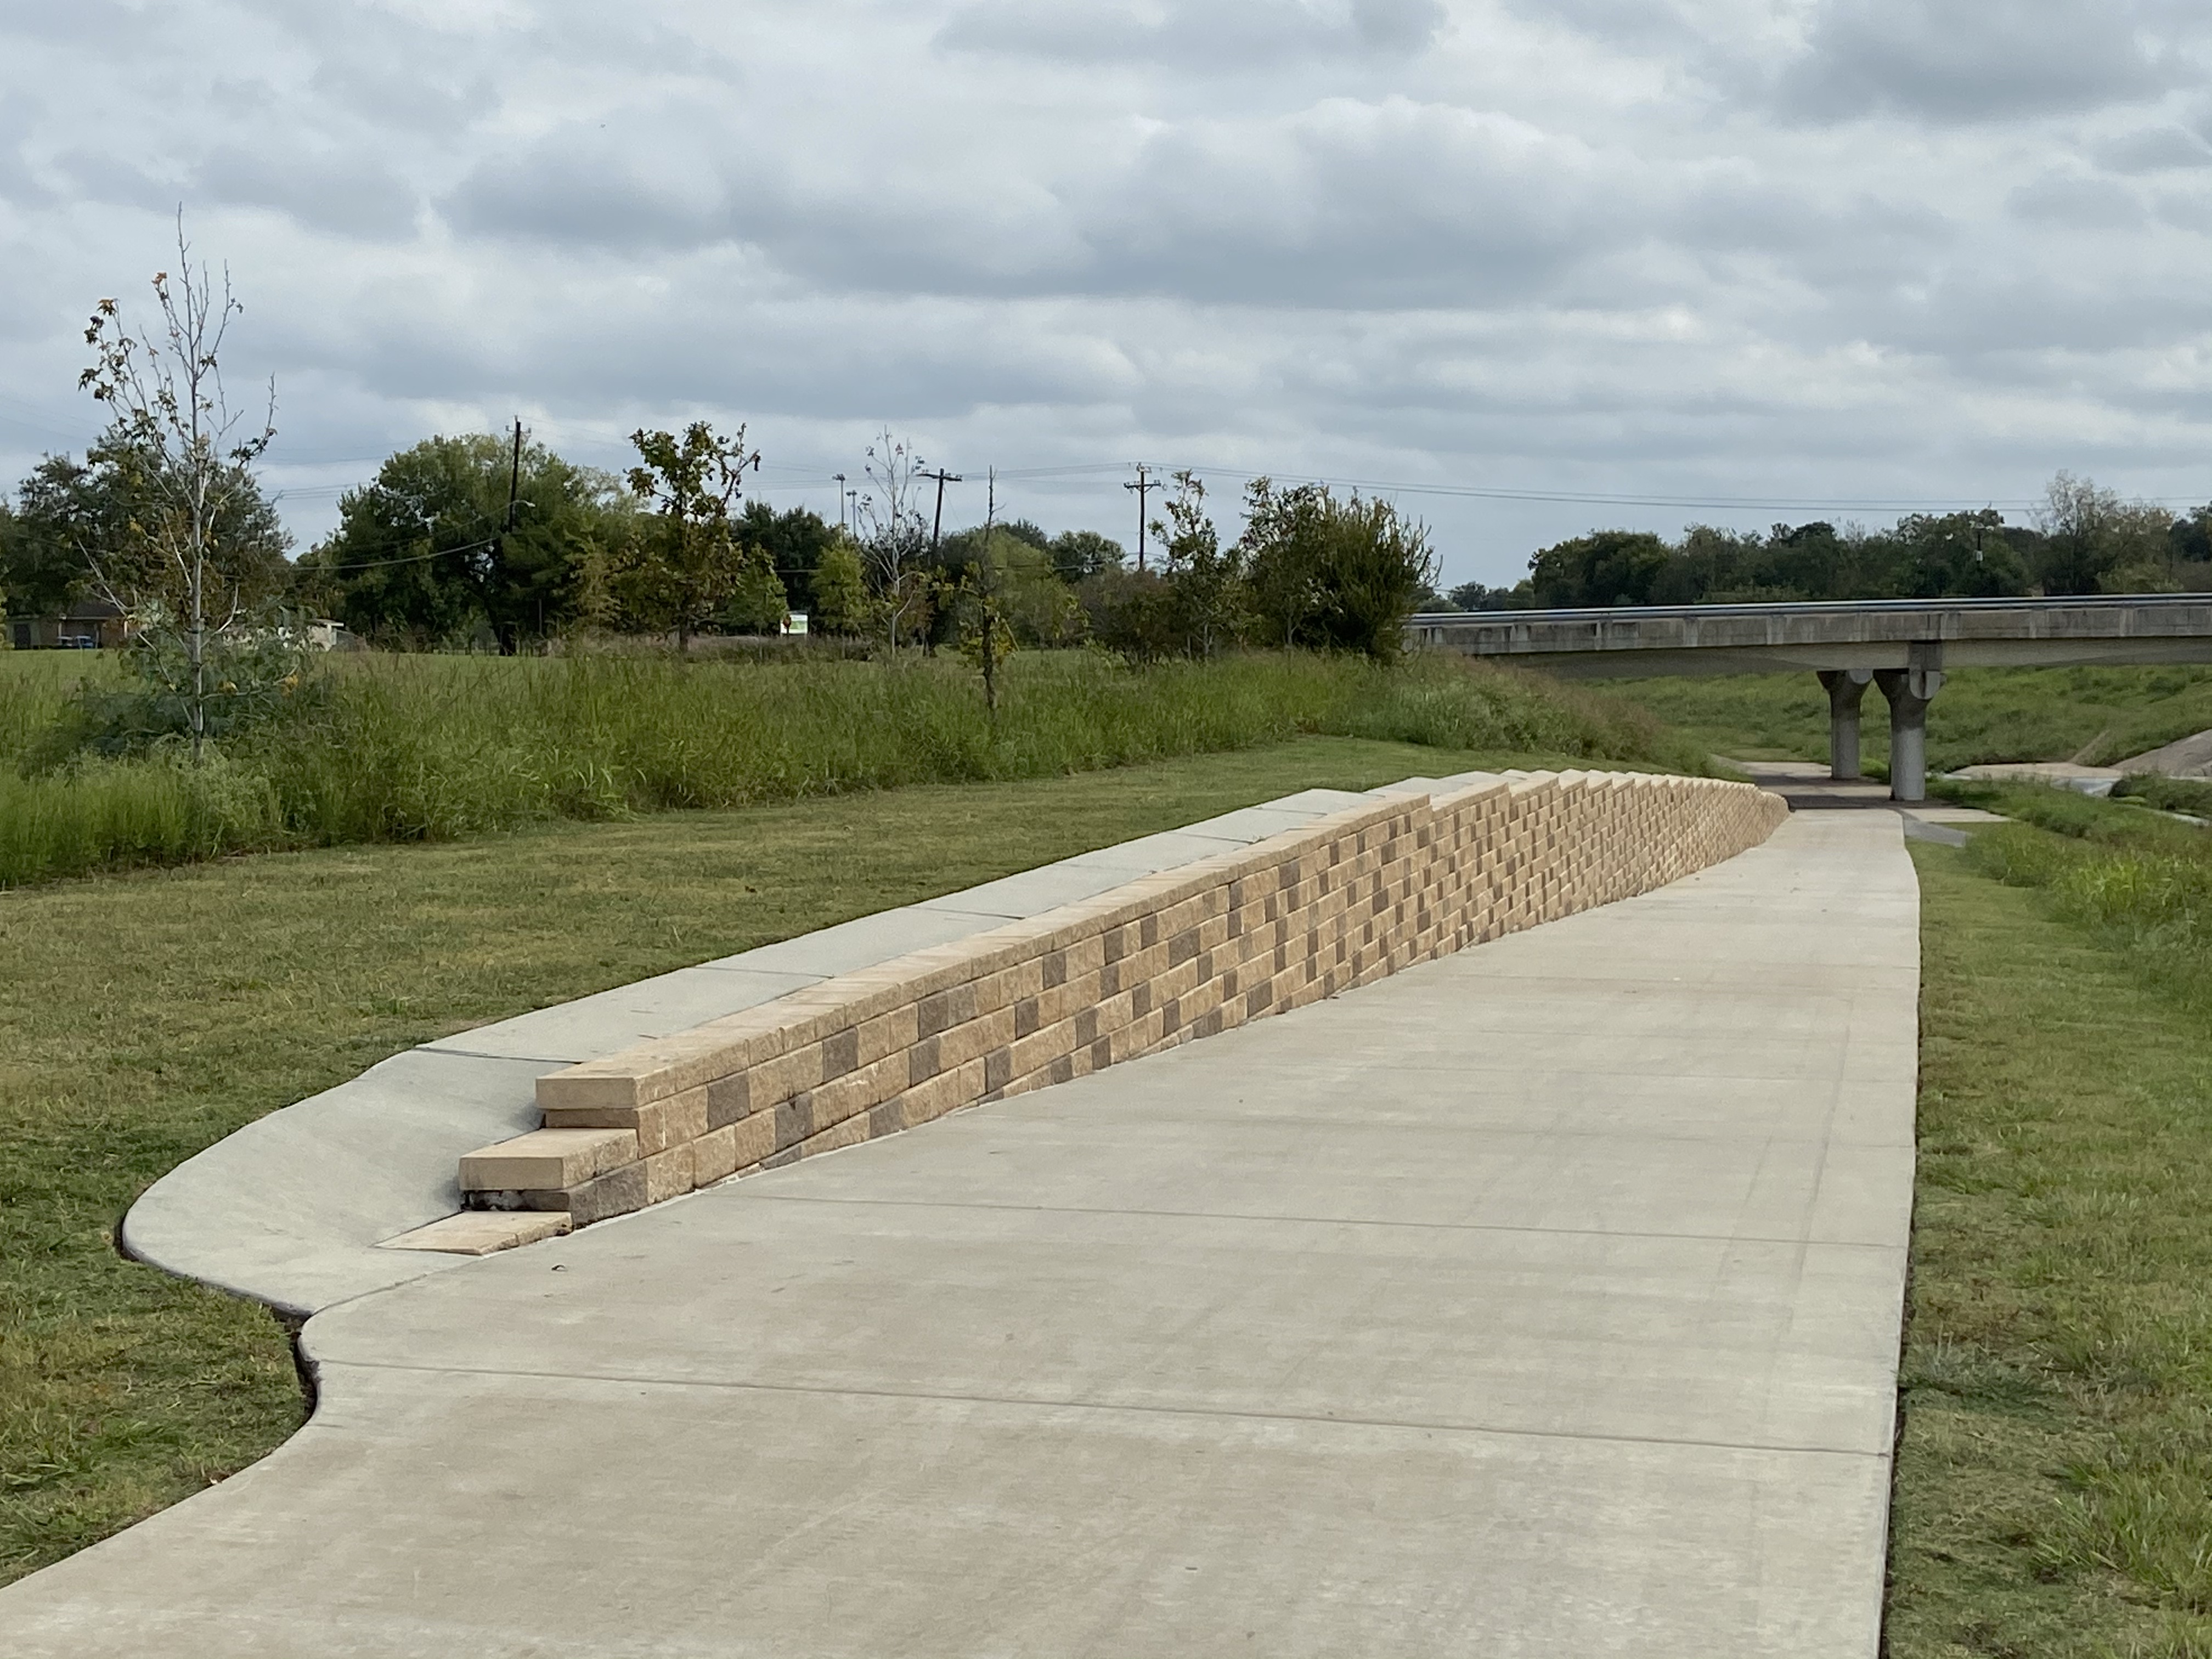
[(1956, 556), (1206, 579), (1479, 596), (2192, 537), (1335, 575), (840, 591), (1038, 608), (691, 564), (1605, 568), (81, 527), (457, 538), (1079, 554), (2082, 535), (1378, 564), (793, 541), (1285, 543)]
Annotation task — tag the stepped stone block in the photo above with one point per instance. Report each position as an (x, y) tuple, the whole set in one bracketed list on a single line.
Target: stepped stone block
[(547, 1158), (481, 1232)]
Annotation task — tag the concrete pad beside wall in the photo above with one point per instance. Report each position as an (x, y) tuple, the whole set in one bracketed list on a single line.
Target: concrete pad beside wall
[(291, 1209)]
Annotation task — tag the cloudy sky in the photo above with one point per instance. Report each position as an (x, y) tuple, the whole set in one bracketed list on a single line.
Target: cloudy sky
[(1729, 260)]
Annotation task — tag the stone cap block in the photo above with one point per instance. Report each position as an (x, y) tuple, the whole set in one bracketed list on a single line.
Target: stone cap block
[(483, 1232), (545, 1159)]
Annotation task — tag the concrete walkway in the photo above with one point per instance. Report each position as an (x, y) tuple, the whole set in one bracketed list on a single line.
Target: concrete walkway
[(1543, 1300)]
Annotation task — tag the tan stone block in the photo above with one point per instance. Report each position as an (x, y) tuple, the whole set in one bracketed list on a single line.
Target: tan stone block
[(850, 1133), (618, 1192), (481, 1232), (577, 1088), (668, 1174), (657, 1124), (974, 1038), (1006, 986), (1063, 1001), (1174, 981), (714, 1156), (1041, 1048), (546, 1159), (787, 1074), (948, 1091), (753, 1138), (945, 1009), (1086, 955), (835, 1101)]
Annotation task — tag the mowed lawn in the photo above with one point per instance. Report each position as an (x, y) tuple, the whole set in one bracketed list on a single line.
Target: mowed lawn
[(143, 1016), (2054, 1481)]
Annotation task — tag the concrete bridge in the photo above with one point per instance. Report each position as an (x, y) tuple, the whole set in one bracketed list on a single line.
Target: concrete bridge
[(1903, 646)]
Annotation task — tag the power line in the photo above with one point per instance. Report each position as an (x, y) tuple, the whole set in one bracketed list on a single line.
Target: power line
[(412, 558)]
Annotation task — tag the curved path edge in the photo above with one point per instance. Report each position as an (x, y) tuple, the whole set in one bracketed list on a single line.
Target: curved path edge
[(292, 1209)]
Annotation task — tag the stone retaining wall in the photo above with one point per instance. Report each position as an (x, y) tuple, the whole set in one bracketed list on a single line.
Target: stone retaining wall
[(1190, 951)]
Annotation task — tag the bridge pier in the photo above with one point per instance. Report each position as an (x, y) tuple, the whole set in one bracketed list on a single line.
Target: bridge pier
[(1909, 691), (1846, 690)]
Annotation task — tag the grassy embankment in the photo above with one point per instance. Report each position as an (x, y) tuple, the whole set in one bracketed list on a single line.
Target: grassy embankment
[(147, 1014), (442, 748), (2054, 1488), (2097, 715)]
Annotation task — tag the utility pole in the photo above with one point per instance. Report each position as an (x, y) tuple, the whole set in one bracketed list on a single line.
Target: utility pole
[(841, 492), (1145, 485), (937, 520), (987, 597), (504, 631)]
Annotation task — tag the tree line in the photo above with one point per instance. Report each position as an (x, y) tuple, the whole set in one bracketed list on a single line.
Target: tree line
[(496, 542), (2083, 540)]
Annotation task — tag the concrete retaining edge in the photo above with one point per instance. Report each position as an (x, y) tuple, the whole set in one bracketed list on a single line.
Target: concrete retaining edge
[(1345, 899)]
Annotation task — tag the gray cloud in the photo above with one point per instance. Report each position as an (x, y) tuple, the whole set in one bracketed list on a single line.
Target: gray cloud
[(2078, 204), (1872, 248), (2152, 149), (1226, 36), (2002, 59)]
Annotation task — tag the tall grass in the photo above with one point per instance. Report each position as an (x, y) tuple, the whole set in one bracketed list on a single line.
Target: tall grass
[(2138, 883), (411, 748), (2101, 714)]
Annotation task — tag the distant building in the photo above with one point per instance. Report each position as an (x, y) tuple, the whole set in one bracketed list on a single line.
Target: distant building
[(86, 625)]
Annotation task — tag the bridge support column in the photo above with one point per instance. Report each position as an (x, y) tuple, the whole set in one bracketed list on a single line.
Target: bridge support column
[(1909, 691), (1846, 690)]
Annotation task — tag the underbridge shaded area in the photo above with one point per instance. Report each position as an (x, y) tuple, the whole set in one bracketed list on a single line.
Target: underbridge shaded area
[(1902, 647)]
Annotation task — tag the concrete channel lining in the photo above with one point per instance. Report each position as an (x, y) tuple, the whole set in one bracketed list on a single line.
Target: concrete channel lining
[(293, 1210)]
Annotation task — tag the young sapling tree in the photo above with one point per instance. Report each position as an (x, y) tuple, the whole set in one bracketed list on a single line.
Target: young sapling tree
[(194, 456)]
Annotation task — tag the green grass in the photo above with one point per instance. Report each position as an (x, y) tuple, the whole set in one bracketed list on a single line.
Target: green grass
[(145, 1016), (1981, 715), (444, 748), (2054, 1482)]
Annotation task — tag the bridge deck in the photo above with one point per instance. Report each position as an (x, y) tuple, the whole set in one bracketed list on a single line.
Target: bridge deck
[(1542, 1300), (1727, 639)]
